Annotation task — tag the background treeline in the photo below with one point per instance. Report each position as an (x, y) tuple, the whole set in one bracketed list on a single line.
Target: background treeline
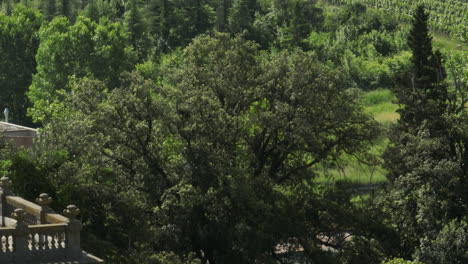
[(368, 43), (447, 16), (193, 131), (364, 41)]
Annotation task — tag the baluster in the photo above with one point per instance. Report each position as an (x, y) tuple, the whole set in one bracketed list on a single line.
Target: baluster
[(29, 242), (44, 242), (4, 244), (58, 240), (48, 241), (10, 243), (41, 241), (55, 240), (64, 240), (51, 241), (36, 241)]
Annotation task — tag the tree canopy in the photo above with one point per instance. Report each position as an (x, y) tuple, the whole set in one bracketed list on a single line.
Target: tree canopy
[(86, 48), (427, 159), (18, 46), (224, 131), (213, 158)]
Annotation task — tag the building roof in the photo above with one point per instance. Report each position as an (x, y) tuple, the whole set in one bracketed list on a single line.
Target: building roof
[(21, 135), (12, 127)]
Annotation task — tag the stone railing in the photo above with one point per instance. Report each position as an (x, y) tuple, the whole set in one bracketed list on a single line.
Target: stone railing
[(34, 233)]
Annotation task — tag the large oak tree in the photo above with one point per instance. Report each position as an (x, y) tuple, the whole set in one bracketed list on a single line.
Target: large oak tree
[(217, 159)]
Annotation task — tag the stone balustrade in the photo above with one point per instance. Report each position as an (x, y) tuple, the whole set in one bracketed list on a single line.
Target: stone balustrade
[(34, 233)]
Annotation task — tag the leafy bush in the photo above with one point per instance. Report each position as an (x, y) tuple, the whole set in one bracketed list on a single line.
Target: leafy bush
[(450, 246)]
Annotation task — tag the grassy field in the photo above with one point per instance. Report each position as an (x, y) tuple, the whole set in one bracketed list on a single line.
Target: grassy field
[(380, 105), (444, 43)]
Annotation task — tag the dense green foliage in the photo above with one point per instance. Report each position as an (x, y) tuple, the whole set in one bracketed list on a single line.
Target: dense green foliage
[(427, 160), (18, 46), (202, 131), (86, 48), (211, 170), (448, 16), (366, 43)]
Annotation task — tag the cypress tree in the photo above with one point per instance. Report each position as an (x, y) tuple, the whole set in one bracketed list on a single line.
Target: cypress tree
[(425, 97), (92, 11), (158, 18), (65, 9), (240, 18), (305, 16), (49, 9), (136, 28), (420, 42), (222, 14), (427, 65)]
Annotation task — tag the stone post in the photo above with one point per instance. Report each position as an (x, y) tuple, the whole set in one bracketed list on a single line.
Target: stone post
[(73, 232), (20, 237), (5, 184), (44, 201)]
